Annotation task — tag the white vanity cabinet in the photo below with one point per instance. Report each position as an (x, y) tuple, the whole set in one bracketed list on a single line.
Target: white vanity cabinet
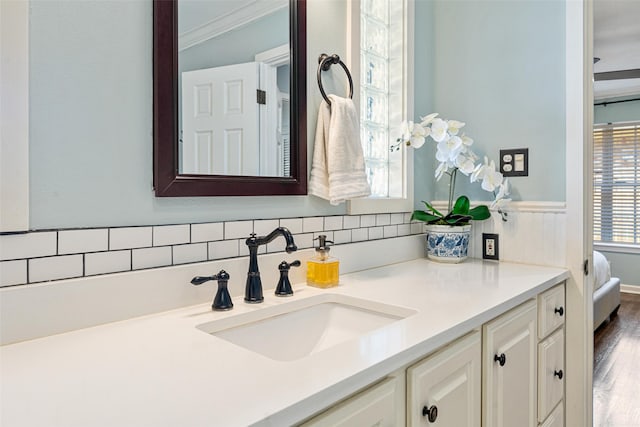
[(381, 405), (551, 368), (509, 367), (510, 373), (445, 388)]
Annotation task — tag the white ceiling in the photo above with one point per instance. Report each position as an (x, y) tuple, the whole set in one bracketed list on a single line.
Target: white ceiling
[(616, 41)]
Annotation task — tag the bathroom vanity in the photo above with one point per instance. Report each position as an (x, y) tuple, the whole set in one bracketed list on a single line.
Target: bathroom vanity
[(477, 343)]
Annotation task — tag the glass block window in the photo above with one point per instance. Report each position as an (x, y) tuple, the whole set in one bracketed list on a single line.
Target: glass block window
[(381, 93), (616, 184)]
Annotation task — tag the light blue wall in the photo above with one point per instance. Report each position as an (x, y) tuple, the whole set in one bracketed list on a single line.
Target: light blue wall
[(499, 67), (484, 62), (91, 119), (620, 112), (624, 266)]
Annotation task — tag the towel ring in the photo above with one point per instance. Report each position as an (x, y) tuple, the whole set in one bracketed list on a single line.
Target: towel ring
[(324, 63)]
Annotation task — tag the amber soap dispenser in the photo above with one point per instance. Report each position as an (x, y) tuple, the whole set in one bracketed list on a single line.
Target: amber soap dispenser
[(322, 270)]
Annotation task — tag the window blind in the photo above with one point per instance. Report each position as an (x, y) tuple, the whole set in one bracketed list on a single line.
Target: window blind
[(616, 184)]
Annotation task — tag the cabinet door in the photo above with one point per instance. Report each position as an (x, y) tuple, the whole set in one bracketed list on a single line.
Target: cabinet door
[(550, 373), (379, 406), (509, 368), (556, 419), (448, 381)]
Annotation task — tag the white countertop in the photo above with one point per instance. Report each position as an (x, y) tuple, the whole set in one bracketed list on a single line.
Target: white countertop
[(159, 370)]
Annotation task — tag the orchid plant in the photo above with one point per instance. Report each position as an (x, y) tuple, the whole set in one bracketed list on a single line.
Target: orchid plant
[(455, 155)]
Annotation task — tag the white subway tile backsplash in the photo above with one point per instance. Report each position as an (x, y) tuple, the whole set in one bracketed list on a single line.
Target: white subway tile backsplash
[(304, 241), (311, 224), (28, 245), (107, 262), (129, 237), (351, 221), (333, 223), (342, 236), (207, 232), (390, 231), (397, 218), (80, 241), (164, 235), (383, 219), (55, 267), (359, 234), (367, 221), (13, 272), (223, 249), (237, 229), (195, 252), (110, 250), (293, 224), (417, 227), (407, 217), (151, 257), (375, 233), (264, 226)]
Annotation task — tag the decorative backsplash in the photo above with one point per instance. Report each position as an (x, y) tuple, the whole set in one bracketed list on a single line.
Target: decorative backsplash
[(41, 256)]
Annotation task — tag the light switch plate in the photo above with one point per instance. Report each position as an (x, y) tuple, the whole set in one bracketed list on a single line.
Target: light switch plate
[(514, 162), (490, 246)]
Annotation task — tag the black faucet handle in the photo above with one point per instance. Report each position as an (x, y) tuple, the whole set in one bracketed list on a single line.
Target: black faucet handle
[(285, 266), (284, 288), (222, 300), (199, 280)]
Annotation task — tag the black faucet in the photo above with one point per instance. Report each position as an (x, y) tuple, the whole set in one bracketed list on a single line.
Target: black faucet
[(253, 289)]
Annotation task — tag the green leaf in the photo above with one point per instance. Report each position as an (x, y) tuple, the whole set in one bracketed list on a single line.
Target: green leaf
[(461, 207), (432, 209), (424, 216), (480, 213), (455, 219)]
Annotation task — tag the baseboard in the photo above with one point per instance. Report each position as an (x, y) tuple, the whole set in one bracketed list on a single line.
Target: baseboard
[(630, 289)]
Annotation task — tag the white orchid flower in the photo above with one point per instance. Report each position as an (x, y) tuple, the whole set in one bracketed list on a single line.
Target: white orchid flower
[(499, 204), (503, 190), (428, 119), (466, 140), (479, 172), (439, 130), (464, 163), (449, 149), (455, 126), (492, 178), (413, 134), (442, 168)]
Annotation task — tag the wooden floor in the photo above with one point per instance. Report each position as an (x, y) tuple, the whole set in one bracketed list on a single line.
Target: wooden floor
[(616, 367)]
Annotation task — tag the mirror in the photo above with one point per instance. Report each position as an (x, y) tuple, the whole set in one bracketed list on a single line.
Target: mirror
[(229, 97)]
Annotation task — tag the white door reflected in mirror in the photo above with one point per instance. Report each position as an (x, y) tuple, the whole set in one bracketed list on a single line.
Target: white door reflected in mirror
[(234, 70)]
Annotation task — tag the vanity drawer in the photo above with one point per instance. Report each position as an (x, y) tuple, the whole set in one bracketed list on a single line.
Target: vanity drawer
[(381, 405), (551, 310), (551, 372)]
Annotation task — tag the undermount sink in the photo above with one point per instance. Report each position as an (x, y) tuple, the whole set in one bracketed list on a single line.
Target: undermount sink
[(297, 329)]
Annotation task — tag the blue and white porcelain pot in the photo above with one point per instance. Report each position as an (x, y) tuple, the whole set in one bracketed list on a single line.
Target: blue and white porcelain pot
[(447, 243)]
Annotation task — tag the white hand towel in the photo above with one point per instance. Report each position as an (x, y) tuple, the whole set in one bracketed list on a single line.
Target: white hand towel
[(337, 170)]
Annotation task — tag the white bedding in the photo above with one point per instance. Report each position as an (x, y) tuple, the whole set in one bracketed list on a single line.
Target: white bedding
[(601, 270)]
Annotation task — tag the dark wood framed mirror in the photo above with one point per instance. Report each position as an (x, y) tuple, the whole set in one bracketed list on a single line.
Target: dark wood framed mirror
[(168, 181)]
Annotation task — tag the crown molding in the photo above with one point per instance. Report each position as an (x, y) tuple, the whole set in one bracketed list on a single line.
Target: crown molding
[(243, 15)]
